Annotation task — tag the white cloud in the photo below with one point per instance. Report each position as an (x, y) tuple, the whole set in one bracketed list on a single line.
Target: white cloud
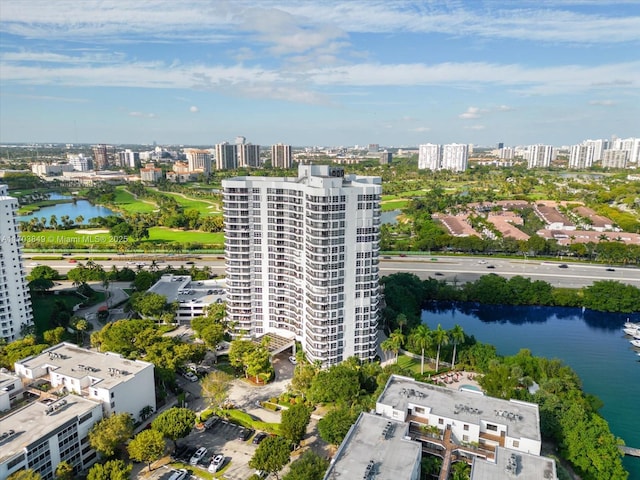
[(603, 103), (504, 108), (475, 127), (142, 114), (420, 129), (471, 113), (194, 109)]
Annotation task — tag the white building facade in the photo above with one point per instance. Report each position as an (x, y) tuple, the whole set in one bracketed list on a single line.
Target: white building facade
[(302, 259), (121, 385), (581, 156), (455, 157), (15, 298), (429, 156), (226, 156), (281, 156), (198, 160), (41, 435), (539, 156), (248, 155)]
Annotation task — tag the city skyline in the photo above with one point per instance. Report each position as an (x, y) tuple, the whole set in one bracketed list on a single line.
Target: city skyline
[(319, 73)]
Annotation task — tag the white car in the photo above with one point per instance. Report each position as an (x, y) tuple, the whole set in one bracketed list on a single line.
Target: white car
[(216, 463), (192, 377), (198, 456), (180, 474), (293, 360)]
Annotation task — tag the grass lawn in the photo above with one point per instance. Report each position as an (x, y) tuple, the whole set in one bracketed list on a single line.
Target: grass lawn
[(43, 305), (204, 207), (163, 234), (394, 205), (246, 420), (129, 203)]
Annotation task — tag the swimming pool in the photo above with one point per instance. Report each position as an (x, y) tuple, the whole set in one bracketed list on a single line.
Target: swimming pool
[(470, 388)]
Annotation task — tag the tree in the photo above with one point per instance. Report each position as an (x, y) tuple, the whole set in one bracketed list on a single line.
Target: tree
[(339, 384), (272, 454), (40, 285), (310, 466), (394, 342), (457, 336), (143, 280), (294, 421), (440, 337), (335, 425), (460, 471), (81, 326), (64, 471), (54, 336), (149, 304), (215, 388), (43, 271), (111, 470), (108, 433), (421, 338), (148, 446), (26, 474), (175, 423)]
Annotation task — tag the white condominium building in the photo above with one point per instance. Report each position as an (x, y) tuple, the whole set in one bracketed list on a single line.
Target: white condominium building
[(615, 159), (539, 156), (455, 156), (47, 432), (302, 259), (281, 156), (631, 145), (15, 299), (248, 155), (226, 156), (429, 157), (582, 156), (121, 385)]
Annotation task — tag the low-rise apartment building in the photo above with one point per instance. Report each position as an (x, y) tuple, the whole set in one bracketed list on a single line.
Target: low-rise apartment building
[(121, 385), (10, 390), (47, 432)]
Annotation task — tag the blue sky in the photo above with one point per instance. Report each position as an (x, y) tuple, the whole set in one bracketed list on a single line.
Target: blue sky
[(393, 72)]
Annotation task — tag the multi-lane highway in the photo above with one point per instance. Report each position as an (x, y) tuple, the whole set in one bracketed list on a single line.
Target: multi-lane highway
[(458, 269)]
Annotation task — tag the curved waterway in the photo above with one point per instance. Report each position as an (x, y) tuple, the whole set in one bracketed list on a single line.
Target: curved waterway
[(592, 343)]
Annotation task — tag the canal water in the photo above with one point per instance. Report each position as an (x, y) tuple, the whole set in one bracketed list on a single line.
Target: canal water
[(592, 343), (81, 207)]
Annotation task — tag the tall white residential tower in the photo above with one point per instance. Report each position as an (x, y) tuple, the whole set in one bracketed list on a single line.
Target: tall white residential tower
[(302, 259), (15, 300), (539, 156), (429, 156)]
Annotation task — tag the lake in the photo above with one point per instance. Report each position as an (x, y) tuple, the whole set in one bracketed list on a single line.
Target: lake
[(81, 207), (592, 343)]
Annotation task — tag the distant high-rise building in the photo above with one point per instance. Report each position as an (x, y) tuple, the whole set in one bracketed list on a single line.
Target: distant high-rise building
[(248, 155), (373, 147), (455, 157), (198, 160), (15, 299), (500, 145), (240, 140), (539, 156), (226, 156), (302, 260), (129, 159), (598, 146), (615, 159), (429, 156), (581, 156), (281, 156), (100, 158), (631, 145), (506, 153), (79, 162), (386, 158)]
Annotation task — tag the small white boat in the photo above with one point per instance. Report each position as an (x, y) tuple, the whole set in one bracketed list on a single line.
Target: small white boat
[(635, 343), (629, 324), (634, 332)]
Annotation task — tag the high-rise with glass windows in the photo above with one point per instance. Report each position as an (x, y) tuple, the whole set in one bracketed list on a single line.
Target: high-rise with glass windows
[(15, 299), (302, 259)]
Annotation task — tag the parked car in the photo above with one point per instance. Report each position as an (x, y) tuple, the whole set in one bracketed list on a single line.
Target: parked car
[(245, 434), (293, 360), (259, 437), (192, 377), (211, 421), (216, 463), (563, 265), (180, 474), (198, 456)]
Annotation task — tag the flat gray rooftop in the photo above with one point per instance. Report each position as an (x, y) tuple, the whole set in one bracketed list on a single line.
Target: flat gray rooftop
[(512, 465), (368, 447), (32, 422), (520, 418), (180, 288), (109, 369)]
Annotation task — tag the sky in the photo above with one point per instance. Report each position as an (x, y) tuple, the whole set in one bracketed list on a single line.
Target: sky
[(319, 73)]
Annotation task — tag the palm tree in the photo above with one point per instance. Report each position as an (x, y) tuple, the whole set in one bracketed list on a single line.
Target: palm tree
[(401, 321), (440, 337), (393, 343), (457, 336), (79, 219), (421, 338)]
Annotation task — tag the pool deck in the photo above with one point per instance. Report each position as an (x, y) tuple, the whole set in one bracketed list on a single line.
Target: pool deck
[(457, 380)]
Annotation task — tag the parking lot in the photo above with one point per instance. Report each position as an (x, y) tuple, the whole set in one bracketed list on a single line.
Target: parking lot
[(223, 438)]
